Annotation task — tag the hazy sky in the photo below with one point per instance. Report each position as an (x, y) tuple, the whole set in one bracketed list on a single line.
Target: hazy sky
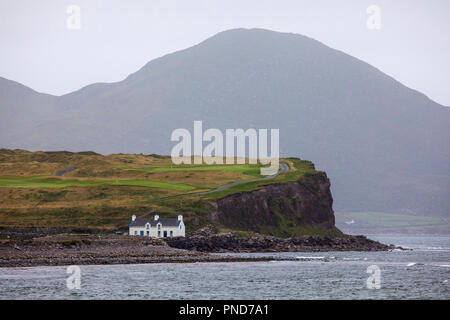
[(116, 38)]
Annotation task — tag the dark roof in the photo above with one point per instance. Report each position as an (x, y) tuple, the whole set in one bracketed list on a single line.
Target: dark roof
[(140, 222)]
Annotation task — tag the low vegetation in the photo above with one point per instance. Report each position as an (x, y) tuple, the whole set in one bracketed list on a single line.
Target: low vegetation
[(104, 191), (247, 169), (46, 182)]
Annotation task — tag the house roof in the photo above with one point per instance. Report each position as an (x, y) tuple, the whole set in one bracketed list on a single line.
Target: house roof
[(141, 222)]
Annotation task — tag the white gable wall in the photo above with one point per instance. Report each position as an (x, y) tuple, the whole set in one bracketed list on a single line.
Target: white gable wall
[(152, 231)]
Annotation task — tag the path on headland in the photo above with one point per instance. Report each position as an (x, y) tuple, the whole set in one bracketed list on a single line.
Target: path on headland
[(283, 168), (60, 173)]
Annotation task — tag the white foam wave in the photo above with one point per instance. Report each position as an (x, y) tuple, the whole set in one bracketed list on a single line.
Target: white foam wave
[(309, 258)]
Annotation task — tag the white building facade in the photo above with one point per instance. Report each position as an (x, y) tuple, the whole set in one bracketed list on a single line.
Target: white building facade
[(157, 228)]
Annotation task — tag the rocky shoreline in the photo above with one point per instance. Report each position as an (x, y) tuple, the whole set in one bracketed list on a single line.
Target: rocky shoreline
[(97, 248), (57, 250), (205, 240)]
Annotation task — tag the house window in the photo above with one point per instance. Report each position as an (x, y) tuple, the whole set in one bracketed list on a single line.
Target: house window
[(171, 233), (142, 233), (148, 226), (159, 227), (148, 233), (159, 234), (135, 233)]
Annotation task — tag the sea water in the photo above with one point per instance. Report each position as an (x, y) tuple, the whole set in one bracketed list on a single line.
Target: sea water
[(420, 273)]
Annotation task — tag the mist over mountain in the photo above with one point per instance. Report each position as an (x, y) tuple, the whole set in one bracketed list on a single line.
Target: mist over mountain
[(384, 146)]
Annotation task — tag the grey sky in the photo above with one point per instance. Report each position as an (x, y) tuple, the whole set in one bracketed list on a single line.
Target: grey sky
[(118, 37)]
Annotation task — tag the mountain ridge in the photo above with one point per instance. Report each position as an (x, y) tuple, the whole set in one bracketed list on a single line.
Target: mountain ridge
[(100, 83), (383, 144)]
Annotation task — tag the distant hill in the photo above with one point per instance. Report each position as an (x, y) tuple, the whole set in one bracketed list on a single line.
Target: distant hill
[(384, 146)]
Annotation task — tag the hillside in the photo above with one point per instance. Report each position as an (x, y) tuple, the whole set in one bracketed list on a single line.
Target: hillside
[(90, 191), (384, 146)]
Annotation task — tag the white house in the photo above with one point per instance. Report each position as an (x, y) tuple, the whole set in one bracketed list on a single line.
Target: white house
[(158, 228)]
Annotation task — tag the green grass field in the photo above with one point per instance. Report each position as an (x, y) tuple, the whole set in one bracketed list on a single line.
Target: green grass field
[(45, 182), (297, 169), (246, 169), (103, 191)]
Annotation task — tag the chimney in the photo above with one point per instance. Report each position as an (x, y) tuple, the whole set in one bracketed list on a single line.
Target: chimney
[(180, 218), (133, 217), (156, 217)]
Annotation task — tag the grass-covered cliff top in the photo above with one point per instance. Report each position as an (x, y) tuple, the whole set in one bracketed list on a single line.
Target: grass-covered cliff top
[(98, 191), (297, 169)]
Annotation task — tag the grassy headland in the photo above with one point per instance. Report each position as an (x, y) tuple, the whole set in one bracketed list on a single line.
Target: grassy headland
[(104, 191)]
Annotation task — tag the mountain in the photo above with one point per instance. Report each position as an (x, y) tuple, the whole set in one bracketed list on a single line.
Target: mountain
[(384, 146), (22, 107)]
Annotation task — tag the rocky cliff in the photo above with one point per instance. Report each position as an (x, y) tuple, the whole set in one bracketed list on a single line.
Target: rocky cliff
[(302, 207)]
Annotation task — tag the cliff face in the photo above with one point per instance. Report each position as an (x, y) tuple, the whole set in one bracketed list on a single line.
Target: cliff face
[(284, 209)]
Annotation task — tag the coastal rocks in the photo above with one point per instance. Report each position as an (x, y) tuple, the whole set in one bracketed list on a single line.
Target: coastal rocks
[(205, 241), (115, 249), (100, 249), (30, 233)]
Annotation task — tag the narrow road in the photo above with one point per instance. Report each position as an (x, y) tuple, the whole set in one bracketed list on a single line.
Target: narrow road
[(283, 168), (60, 173)]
